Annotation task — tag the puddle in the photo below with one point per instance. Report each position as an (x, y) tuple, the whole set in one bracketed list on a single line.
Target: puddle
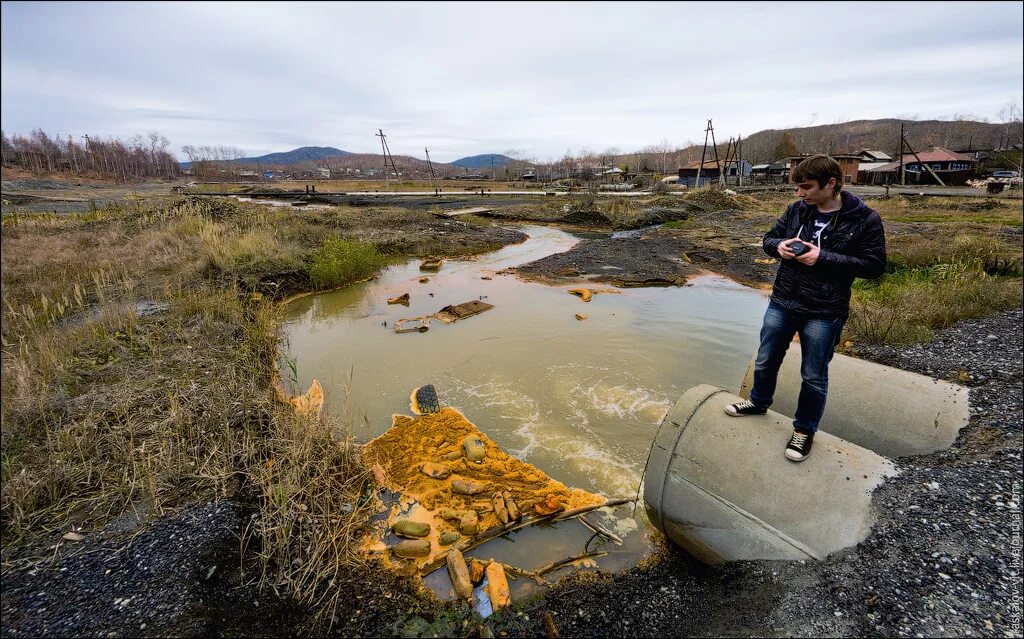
[(580, 400)]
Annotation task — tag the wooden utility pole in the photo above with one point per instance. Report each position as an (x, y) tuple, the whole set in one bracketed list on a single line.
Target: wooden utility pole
[(429, 166), (386, 150), (903, 170), (923, 165), (739, 162), (703, 151), (714, 145), (728, 155)]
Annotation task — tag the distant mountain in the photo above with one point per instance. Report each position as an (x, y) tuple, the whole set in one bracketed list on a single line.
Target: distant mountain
[(296, 156), (485, 161)]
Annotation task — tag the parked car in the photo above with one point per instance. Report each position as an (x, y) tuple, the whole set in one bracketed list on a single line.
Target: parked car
[(1005, 174)]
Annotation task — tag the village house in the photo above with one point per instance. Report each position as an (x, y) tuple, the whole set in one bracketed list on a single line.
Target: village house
[(709, 171), (870, 159), (950, 166)]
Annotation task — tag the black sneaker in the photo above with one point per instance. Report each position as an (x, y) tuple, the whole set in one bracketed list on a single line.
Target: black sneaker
[(799, 446), (744, 408)]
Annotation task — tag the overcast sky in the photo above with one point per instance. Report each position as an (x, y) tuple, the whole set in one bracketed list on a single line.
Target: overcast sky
[(469, 78)]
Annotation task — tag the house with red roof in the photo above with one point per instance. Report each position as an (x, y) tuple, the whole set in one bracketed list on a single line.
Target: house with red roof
[(950, 166)]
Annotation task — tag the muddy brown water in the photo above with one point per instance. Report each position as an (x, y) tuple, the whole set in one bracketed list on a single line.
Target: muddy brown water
[(581, 400)]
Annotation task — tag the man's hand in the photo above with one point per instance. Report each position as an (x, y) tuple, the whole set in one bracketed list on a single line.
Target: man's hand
[(784, 251), (810, 256)]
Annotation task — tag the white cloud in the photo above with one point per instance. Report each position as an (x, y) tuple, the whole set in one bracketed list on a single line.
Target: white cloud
[(468, 78)]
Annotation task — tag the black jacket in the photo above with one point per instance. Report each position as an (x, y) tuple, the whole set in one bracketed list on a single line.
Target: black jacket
[(853, 245)]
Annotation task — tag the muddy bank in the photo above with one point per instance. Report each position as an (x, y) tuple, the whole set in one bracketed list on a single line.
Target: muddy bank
[(589, 212), (619, 261), (727, 242)]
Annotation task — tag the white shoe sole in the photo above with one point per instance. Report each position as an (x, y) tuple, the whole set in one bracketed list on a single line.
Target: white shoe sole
[(725, 409), (792, 456)]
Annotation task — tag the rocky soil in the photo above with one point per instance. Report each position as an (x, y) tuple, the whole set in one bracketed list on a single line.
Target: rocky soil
[(727, 242)]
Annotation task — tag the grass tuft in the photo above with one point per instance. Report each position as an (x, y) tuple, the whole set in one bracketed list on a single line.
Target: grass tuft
[(343, 261)]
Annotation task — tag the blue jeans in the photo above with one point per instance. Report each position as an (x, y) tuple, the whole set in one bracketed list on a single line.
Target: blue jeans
[(819, 337)]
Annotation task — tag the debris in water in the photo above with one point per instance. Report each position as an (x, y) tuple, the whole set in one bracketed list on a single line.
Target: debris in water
[(422, 328), (453, 504), (497, 586), (456, 312), (581, 316), (412, 548), (474, 449), (431, 264), (513, 509), (498, 502), (476, 570), (466, 487), (401, 299), (424, 280), (408, 528), (435, 470), (458, 572), (424, 400), (309, 403), (469, 524), (549, 506), (583, 293), (586, 294)]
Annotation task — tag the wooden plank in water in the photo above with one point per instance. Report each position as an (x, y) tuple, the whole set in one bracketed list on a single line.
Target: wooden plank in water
[(457, 312), (469, 211)]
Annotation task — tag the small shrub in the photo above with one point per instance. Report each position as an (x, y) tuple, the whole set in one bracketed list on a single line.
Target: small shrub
[(341, 261)]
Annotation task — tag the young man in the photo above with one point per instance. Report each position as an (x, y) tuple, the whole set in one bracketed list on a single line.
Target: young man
[(824, 241)]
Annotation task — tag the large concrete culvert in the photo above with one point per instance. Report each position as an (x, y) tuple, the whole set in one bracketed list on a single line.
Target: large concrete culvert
[(888, 410), (721, 488)]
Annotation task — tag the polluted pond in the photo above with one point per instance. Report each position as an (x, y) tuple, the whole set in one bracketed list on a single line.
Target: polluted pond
[(452, 502), (565, 396)]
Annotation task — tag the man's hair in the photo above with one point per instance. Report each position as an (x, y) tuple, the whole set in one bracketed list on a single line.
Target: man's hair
[(818, 168)]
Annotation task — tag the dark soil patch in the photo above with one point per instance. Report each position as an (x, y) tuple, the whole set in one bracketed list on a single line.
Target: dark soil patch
[(727, 242), (617, 261)]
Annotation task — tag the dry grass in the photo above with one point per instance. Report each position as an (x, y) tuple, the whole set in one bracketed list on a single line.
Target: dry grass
[(907, 305), (106, 410), (950, 210), (717, 199), (312, 492)]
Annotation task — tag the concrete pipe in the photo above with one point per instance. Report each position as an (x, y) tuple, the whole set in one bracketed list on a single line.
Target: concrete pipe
[(891, 411), (721, 487)]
